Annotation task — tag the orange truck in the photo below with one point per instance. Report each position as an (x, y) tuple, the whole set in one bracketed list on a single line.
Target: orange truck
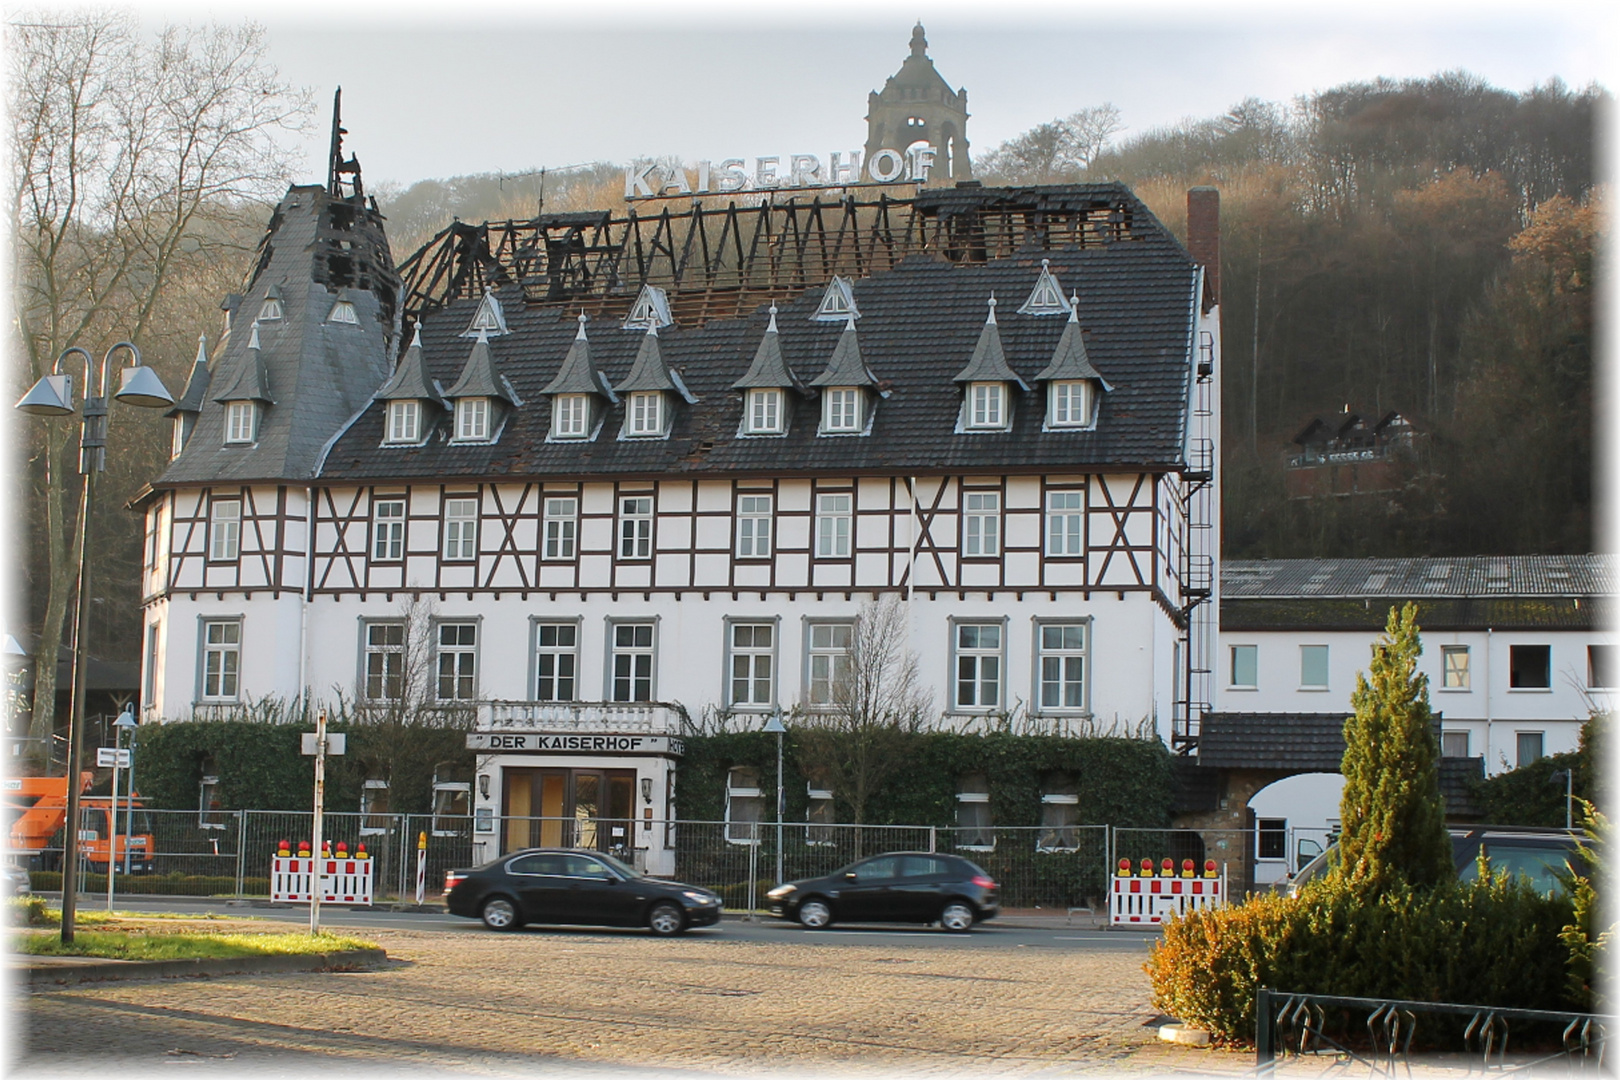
[(36, 809)]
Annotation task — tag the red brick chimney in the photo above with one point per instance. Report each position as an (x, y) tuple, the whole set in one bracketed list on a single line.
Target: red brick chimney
[(1204, 238)]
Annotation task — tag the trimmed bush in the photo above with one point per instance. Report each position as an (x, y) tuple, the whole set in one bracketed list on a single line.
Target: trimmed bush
[(1491, 941), (153, 884)]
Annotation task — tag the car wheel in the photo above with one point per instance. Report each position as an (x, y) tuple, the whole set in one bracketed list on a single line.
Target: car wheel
[(814, 914), (499, 913), (666, 919), (957, 917)]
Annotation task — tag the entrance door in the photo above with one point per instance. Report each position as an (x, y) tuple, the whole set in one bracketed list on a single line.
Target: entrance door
[(534, 805), (578, 808)]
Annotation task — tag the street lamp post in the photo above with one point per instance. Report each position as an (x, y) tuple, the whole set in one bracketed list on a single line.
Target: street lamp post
[(53, 396), (774, 724), (126, 719), (1567, 777)]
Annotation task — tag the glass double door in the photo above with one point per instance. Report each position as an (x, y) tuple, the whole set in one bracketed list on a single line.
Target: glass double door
[(569, 808)]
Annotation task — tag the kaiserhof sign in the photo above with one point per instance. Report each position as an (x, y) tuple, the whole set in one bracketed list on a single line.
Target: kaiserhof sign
[(802, 171), (573, 742)]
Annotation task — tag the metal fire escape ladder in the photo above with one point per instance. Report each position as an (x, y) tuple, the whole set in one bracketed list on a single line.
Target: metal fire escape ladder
[(1198, 557)]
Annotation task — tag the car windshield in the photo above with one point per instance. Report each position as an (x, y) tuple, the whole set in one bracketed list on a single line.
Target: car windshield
[(1540, 863)]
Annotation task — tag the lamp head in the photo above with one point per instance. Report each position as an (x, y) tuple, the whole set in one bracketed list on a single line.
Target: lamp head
[(140, 385), (126, 719), (51, 396), (774, 726)]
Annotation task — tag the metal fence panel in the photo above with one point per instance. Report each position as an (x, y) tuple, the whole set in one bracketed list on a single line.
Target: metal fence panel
[(1038, 866)]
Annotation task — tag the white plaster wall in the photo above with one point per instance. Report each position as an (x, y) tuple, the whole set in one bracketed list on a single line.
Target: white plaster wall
[(1310, 804)]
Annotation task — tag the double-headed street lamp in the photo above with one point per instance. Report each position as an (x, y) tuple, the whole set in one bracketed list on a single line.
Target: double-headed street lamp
[(53, 396)]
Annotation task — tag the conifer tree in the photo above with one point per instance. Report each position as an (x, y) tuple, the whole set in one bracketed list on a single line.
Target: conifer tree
[(1392, 814)]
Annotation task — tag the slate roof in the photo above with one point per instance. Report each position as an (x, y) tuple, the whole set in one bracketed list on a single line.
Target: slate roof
[(245, 379), (409, 380), (479, 377), (1458, 775), (769, 370), (578, 374), (989, 361), (196, 392), (649, 372), (1303, 742), (1069, 359), (1136, 301)]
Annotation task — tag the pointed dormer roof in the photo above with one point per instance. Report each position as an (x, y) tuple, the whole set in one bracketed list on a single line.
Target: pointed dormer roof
[(989, 362), (251, 382), (579, 373), (409, 382), (837, 303), (649, 372), (1046, 298), (479, 377), (845, 367), (196, 392), (1069, 360), (488, 320), (769, 369)]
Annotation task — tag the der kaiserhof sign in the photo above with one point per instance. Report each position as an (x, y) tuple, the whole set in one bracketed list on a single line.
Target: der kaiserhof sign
[(544, 742), (654, 181)]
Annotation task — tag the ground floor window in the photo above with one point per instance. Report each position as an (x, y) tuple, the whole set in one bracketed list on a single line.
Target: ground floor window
[(745, 805), (973, 828), (1271, 838)]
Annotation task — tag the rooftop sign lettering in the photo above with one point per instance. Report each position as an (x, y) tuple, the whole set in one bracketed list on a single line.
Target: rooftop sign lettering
[(801, 172)]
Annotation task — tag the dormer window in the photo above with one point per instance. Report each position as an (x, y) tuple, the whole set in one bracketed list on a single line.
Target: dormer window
[(177, 440), (987, 406), (645, 413), (404, 421), (841, 409), (343, 312), (472, 419), (241, 421), (1071, 403), (271, 310), (764, 412), (571, 416)]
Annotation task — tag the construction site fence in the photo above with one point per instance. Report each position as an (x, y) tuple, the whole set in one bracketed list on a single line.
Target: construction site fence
[(228, 854)]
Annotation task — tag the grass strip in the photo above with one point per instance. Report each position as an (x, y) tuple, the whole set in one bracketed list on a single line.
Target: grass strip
[(183, 945)]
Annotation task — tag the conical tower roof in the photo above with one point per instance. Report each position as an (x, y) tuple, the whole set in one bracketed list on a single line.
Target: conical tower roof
[(989, 362), (579, 373), (769, 368), (479, 377), (409, 381), (649, 372), (196, 392), (1069, 360), (845, 367)]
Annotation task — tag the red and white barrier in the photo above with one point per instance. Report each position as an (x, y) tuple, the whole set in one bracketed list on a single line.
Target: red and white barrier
[(1149, 899), (344, 879)]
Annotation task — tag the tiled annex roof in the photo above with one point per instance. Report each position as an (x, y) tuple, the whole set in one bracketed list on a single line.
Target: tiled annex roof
[(1522, 592), (919, 325)]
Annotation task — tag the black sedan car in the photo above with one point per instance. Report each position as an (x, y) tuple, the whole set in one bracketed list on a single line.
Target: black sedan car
[(575, 887), (905, 886)]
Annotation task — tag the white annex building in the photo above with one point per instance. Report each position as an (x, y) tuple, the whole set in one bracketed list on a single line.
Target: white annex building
[(642, 469)]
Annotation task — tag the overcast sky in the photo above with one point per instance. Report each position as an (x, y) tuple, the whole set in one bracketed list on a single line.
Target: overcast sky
[(433, 90)]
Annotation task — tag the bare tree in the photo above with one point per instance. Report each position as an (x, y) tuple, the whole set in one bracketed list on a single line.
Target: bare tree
[(1060, 149), (858, 739), (126, 153)]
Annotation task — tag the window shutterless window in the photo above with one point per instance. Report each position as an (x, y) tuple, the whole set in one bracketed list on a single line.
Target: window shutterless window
[(1069, 404), (177, 437), (753, 527), (388, 530), (753, 663), (472, 419), (1065, 520), (1454, 667), (973, 828), (1600, 669), (1529, 667), (1531, 747), (1454, 744), (646, 412), (981, 523), (1271, 838), (460, 529), (385, 660), (222, 659), (343, 312), (210, 813), (458, 661), (404, 421), (632, 662), (635, 527), (270, 310), (1245, 666), (1313, 667), (829, 662), (841, 409), (745, 805), (224, 529), (1062, 665), (241, 421), (987, 406), (763, 414), (978, 665), (556, 660), (1060, 814), (833, 521), (570, 416), (561, 521)]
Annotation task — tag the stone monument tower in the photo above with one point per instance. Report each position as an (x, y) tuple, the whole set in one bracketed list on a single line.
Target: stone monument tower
[(917, 105)]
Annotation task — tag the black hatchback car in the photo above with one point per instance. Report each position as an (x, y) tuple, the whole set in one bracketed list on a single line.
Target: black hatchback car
[(904, 886), (575, 887)]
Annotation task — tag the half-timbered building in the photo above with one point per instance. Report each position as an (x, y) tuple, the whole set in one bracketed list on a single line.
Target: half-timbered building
[(641, 469)]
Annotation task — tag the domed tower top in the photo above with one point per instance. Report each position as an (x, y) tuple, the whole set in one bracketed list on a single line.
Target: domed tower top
[(917, 105)]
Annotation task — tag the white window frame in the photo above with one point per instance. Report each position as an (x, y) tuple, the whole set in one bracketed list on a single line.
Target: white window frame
[(1518, 758), (388, 529), (635, 527), (979, 654), (1066, 523), (981, 524), (462, 657), (1455, 677), (1463, 735), (224, 530), (820, 815), (841, 410), (404, 426), (210, 815), (822, 661), (177, 437), (835, 524), (741, 829), (644, 413), (221, 682), (564, 654), (616, 651), (751, 655), (343, 312), (472, 420), (271, 310), (754, 517), (241, 422), (1060, 816), (987, 407), (571, 416), (974, 798), (460, 529), (763, 413), (388, 671), (1253, 651), (374, 821), (560, 520), (1065, 656), (1071, 403), (1327, 674)]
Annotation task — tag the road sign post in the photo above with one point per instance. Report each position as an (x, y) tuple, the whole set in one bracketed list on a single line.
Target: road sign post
[(319, 744)]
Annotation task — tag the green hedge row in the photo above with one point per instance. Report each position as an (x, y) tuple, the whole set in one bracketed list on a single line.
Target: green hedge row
[(153, 884)]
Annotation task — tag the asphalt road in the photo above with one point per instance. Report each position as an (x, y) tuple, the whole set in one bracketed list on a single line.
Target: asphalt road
[(1051, 932)]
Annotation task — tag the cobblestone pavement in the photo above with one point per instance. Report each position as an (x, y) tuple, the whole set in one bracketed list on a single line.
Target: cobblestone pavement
[(561, 1001)]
